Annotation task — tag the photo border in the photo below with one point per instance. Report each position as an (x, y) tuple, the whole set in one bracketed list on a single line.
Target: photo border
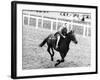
[(14, 39)]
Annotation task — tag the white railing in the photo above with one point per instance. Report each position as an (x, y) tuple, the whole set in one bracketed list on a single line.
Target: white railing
[(85, 27)]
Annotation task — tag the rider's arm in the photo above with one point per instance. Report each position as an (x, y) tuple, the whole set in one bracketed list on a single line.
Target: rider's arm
[(63, 36)]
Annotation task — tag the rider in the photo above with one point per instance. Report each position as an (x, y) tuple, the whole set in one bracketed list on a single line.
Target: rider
[(61, 33)]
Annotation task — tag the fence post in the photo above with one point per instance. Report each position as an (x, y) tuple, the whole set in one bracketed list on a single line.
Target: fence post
[(42, 22), (51, 25), (56, 24), (84, 31), (36, 22)]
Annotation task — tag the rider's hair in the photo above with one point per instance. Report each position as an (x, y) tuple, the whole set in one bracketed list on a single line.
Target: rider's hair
[(64, 30)]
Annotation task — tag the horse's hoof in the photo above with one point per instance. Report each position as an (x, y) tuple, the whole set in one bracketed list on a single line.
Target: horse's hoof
[(56, 64), (58, 60), (62, 60)]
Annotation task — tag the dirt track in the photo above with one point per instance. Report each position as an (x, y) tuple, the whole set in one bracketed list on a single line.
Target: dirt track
[(35, 57)]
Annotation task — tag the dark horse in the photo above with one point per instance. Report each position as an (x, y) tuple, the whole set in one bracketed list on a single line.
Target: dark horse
[(63, 45)]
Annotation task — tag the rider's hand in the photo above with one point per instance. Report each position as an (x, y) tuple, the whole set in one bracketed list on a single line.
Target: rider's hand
[(56, 46)]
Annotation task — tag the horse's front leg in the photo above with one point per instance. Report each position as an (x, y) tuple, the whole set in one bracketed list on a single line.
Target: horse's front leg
[(48, 49), (62, 59), (63, 55)]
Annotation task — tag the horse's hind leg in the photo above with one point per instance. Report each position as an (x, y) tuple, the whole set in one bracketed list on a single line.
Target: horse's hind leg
[(52, 54), (48, 49)]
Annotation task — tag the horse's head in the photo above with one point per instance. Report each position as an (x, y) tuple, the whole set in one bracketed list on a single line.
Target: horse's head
[(72, 36)]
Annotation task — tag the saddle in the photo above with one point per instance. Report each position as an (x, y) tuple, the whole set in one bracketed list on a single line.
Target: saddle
[(52, 37)]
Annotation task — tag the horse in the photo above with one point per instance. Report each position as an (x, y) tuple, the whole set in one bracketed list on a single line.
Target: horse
[(63, 45)]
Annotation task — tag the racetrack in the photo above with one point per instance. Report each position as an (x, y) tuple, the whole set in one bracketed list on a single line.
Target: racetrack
[(35, 57)]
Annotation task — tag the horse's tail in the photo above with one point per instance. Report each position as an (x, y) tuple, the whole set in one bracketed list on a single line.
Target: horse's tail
[(44, 41)]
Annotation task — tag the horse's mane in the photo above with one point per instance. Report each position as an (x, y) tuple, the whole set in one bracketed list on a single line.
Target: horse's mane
[(69, 33)]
